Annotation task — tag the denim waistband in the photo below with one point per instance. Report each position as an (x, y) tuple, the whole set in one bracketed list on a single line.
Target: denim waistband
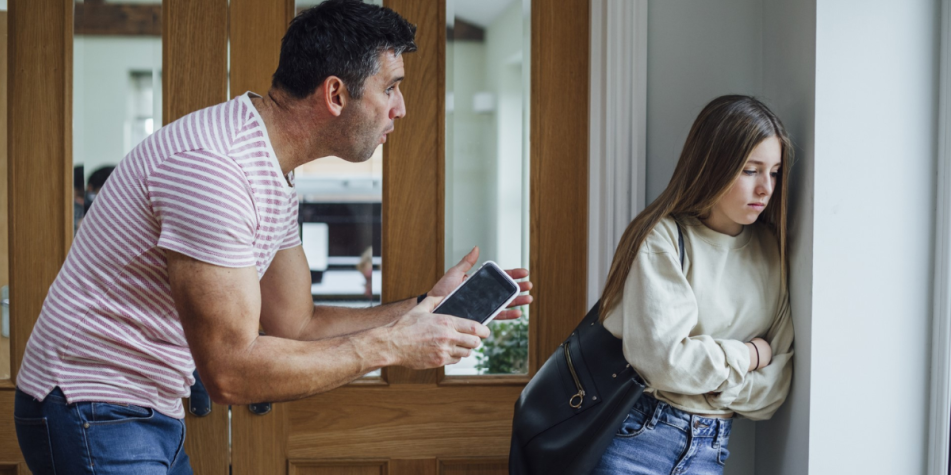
[(698, 426)]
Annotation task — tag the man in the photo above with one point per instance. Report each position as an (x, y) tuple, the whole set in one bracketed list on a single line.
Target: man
[(193, 244), (95, 183)]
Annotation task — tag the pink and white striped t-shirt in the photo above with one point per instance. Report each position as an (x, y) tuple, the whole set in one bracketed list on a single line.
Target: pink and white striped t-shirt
[(208, 186)]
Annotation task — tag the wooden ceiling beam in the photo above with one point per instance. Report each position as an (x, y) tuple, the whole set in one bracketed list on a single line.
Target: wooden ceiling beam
[(118, 19)]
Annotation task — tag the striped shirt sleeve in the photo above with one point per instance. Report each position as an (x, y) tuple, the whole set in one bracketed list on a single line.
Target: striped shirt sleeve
[(292, 238), (204, 208)]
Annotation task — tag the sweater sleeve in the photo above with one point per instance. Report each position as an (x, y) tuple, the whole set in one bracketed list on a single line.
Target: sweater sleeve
[(659, 313), (764, 390)]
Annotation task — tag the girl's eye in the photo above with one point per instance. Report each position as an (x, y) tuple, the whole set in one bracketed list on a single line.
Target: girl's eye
[(774, 174), (749, 172)]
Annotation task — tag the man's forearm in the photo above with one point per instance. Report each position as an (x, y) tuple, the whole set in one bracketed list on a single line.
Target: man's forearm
[(328, 321), (275, 369)]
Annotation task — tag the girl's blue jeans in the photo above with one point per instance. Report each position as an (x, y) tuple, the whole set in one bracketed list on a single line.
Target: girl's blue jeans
[(97, 438), (658, 439)]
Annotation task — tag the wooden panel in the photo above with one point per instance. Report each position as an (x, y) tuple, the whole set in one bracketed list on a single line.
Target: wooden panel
[(4, 258), (194, 55), (194, 63), (474, 467), (401, 421), (256, 31), (559, 176), (413, 467), (257, 444), (39, 156), (4, 229), (11, 459), (414, 172), (355, 467)]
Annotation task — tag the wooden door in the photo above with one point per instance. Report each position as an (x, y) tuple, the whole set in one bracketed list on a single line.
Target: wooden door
[(35, 139), (36, 168), (195, 76), (420, 422)]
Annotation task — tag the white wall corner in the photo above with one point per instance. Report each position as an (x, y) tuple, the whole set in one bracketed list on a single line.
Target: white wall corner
[(940, 416), (618, 129)]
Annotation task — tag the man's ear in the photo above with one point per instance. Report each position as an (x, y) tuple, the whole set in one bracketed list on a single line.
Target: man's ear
[(335, 95)]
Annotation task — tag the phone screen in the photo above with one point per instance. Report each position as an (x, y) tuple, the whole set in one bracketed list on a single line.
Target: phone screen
[(480, 296)]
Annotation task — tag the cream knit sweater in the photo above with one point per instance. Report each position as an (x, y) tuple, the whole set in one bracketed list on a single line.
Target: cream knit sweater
[(684, 331)]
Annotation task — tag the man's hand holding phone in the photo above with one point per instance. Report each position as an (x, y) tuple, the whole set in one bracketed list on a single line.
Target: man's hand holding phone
[(457, 275), (421, 339), (424, 338)]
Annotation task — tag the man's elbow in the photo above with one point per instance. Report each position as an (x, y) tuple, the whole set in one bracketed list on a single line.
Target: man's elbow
[(224, 386)]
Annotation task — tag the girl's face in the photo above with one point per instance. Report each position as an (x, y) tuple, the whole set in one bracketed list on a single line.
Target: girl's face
[(751, 191)]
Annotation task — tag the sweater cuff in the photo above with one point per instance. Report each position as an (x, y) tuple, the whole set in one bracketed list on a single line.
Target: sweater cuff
[(737, 356)]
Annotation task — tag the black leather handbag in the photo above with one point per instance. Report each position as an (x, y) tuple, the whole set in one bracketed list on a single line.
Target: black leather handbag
[(570, 411)]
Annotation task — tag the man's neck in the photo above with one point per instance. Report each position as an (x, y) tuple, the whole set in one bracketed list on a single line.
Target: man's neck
[(294, 130)]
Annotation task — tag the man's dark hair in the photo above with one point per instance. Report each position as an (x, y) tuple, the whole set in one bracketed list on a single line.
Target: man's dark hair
[(98, 178), (342, 38)]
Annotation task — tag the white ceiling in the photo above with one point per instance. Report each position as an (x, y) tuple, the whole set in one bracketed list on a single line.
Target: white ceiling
[(480, 12)]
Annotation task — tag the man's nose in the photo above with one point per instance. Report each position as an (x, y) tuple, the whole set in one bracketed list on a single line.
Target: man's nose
[(399, 111)]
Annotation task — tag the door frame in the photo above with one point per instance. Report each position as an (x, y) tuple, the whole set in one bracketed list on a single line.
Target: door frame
[(39, 179)]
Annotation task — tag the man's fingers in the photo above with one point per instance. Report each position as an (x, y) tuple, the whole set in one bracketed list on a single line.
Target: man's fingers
[(467, 341), (467, 262), (429, 303), (460, 352), (470, 327), (509, 314), (521, 300)]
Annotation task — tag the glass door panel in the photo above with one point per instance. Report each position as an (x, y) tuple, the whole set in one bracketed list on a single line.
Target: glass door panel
[(117, 92), (487, 162)]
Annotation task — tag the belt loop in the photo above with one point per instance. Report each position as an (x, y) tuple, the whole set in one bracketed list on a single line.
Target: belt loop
[(658, 409), (721, 432)]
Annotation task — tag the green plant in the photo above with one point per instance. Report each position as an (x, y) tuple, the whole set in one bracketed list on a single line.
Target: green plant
[(506, 350)]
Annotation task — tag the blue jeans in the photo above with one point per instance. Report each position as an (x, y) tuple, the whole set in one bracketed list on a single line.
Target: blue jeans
[(97, 438), (658, 439)]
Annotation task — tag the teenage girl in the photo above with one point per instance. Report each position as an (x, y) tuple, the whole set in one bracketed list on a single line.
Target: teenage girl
[(711, 334)]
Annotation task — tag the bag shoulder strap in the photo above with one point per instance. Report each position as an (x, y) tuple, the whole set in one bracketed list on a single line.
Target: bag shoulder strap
[(680, 244)]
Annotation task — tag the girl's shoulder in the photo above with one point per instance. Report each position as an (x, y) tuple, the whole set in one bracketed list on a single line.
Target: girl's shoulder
[(663, 238)]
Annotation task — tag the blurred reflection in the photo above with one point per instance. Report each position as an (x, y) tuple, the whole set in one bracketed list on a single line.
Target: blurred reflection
[(486, 156), (117, 61)]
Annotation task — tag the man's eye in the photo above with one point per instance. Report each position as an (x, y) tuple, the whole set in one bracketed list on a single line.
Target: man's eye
[(389, 91)]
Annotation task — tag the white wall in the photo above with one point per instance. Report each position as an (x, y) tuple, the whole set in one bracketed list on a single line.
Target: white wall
[(696, 51), (789, 88), (101, 86), (875, 139)]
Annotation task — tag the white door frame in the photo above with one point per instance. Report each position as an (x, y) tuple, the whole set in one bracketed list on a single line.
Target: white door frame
[(940, 417)]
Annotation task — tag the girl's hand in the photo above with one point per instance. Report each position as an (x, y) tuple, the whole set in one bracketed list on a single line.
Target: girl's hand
[(760, 346)]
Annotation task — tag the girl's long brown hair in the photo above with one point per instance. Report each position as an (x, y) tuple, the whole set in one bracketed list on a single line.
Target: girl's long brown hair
[(716, 150)]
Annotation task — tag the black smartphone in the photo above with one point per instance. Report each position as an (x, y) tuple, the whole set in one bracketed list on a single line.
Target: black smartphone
[(482, 296)]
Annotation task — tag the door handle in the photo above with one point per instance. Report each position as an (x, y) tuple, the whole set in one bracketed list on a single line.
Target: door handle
[(260, 408), (199, 403)]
